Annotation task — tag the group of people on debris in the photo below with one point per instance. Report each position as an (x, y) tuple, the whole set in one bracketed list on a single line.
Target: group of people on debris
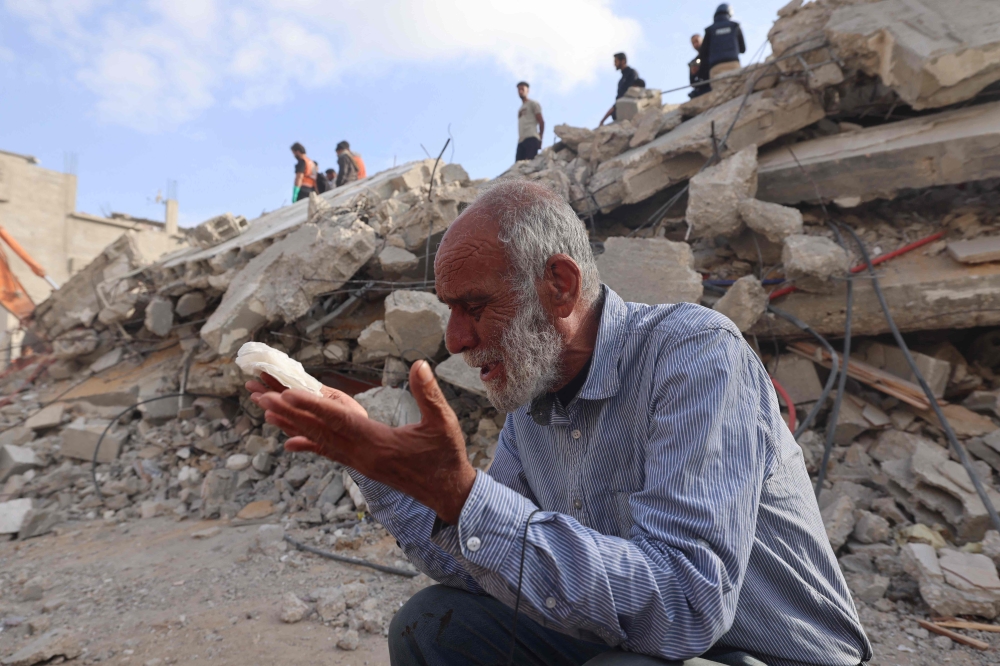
[(718, 54), (308, 177)]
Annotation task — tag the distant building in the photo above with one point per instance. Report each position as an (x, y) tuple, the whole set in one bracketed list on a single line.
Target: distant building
[(38, 208)]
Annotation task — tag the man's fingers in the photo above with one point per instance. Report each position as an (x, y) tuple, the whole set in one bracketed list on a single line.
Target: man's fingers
[(255, 386), (272, 383), (303, 444), (433, 406)]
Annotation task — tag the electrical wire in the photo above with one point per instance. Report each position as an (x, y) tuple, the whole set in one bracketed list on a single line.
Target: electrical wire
[(352, 560), (520, 578)]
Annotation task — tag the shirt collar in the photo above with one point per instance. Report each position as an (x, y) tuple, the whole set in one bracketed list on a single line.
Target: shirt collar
[(602, 380)]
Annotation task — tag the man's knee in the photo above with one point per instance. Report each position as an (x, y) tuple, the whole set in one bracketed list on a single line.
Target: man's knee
[(422, 619)]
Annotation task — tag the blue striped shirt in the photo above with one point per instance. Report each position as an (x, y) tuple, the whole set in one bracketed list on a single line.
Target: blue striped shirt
[(676, 511)]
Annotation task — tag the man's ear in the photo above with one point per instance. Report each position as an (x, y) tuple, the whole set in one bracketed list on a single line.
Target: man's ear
[(561, 285)]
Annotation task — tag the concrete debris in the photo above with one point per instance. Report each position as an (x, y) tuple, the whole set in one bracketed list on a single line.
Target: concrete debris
[(159, 316), (954, 583), (391, 406), (16, 460), (773, 221), (635, 101), (218, 229), (293, 609), (838, 518), (798, 377), (744, 302), (813, 261), (416, 322), (714, 195), (80, 440), (652, 271), (48, 417), (12, 515), (458, 373), (57, 644)]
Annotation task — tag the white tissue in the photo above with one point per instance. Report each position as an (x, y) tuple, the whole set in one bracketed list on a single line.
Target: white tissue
[(256, 357)]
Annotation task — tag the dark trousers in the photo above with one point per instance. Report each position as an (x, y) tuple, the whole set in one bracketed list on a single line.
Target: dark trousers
[(527, 149), (304, 193), (442, 626)]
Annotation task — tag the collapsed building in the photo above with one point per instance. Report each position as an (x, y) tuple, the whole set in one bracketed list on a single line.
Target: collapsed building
[(879, 119)]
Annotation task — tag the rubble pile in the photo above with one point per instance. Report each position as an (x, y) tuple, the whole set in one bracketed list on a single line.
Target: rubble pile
[(869, 116)]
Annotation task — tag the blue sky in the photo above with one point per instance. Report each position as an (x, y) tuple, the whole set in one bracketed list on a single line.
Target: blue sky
[(211, 93)]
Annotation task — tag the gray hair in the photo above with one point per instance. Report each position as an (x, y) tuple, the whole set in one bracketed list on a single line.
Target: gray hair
[(535, 224)]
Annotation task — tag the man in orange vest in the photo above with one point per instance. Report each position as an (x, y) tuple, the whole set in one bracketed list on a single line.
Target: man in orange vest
[(350, 166), (305, 173)]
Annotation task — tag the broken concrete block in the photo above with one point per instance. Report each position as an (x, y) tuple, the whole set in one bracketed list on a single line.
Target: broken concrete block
[(896, 445), (714, 195), (395, 371), (977, 591), (107, 361), (891, 359), (453, 173), (39, 522), (744, 302), (798, 377), (16, 460), (375, 343), (16, 436), (868, 587), (51, 647), (47, 417), (217, 490), (75, 343), (391, 406), (838, 519), (79, 440), (13, 513), (416, 322), (573, 136), (650, 270), (635, 101), (957, 499), (991, 546), (811, 261), (871, 528), (190, 303), (851, 422), (159, 316), (281, 282), (915, 48), (396, 260), (609, 141), (652, 123), (773, 221), (337, 351), (457, 372)]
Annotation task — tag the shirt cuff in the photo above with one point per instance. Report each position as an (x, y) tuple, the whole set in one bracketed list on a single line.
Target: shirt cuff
[(491, 521)]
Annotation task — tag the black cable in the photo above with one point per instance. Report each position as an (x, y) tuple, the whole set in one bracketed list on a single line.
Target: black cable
[(931, 398), (517, 599), (352, 560), (430, 197), (834, 366)]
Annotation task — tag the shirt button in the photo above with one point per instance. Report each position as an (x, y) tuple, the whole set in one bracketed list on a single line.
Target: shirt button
[(550, 602), (576, 434), (473, 544), (578, 503)]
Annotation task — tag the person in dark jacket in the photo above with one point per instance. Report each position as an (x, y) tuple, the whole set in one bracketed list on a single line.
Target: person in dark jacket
[(694, 70), (347, 168), (722, 45), (630, 78)]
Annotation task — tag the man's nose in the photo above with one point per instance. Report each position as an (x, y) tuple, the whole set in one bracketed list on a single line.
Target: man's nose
[(460, 335)]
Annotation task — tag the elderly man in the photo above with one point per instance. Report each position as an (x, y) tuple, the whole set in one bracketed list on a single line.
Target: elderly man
[(646, 501)]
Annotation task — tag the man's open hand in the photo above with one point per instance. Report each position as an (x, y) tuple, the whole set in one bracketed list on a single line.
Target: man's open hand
[(425, 460)]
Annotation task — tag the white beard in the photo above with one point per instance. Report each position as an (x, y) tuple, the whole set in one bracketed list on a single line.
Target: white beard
[(530, 349)]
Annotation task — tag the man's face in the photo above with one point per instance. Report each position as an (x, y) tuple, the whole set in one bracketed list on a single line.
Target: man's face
[(330, 173), (506, 334), (619, 63), (296, 154), (696, 42), (522, 92)]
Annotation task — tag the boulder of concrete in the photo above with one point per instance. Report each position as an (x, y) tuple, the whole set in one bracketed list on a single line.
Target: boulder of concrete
[(75, 343), (39, 522), (159, 316), (957, 583), (573, 136), (951, 491), (813, 261), (654, 122), (635, 101), (391, 406), (868, 587), (416, 322), (17, 436), (281, 282), (16, 460), (871, 528), (375, 343), (396, 260), (838, 519), (609, 141), (932, 53), (47, 417), (714, 195), (650, 270), (744, 302), (190, 303), (798, 376), (79, 441), (453, 173), (13, 513), (891, 359), (457, 372), (773, 221)]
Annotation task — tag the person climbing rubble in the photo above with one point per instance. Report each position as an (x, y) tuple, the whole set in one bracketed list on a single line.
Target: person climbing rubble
[(629, 78), (347, 166), (305, 173), (530, 125), (657, 545), (723, 43)]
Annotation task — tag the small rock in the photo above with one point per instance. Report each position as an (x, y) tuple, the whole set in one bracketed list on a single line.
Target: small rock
[(349, 640), (942, 642), (238, 462), (354, 594), (206, 533), (256, 510), (330, 602), (39, 625), (744, 302), (871, 528), (190, 303), (159, 316), (262, 462), (773, 221), (812, 262), (293, 609), (838, 518)]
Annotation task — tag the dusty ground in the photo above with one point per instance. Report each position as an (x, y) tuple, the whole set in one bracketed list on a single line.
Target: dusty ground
[(147, 593), (147, 590)]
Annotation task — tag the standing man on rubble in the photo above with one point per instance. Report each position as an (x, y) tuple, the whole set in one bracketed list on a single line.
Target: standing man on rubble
[(645, 497), (305, 173), (722, 46), (347, 168), (694, 70), (630, 78), (530, 125)]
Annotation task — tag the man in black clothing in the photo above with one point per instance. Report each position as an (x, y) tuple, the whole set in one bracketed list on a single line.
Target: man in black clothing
[(694, 68), (630, 78), (347, 168), (722, 46)]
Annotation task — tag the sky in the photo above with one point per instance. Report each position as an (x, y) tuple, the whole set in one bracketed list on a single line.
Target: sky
[(211, 93)]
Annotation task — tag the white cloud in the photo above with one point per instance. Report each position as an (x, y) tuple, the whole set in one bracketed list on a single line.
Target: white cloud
[(161, 63)]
